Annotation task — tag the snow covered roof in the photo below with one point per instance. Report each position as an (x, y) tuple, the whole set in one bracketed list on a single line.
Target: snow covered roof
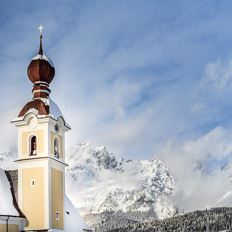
[(72, 220), (42, 107), (43, 57), (54, 110), (7, 206)]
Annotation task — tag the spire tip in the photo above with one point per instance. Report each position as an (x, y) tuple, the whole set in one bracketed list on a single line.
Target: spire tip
[(40, 28)]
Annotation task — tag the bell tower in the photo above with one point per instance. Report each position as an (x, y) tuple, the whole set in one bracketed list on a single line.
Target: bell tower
[(41, 151)]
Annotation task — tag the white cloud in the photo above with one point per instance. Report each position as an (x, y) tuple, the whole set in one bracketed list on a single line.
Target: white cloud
[(219, 74), (190, 163)]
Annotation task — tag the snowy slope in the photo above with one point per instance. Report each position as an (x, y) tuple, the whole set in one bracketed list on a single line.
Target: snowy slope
[(226, 200), (72, 220), (6, 199), (98, 183)]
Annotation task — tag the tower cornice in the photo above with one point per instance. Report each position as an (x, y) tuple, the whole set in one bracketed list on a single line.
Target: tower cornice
[(20, 121), (41, 158)]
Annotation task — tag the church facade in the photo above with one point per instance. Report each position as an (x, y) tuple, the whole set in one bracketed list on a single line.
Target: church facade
[(38, 186)]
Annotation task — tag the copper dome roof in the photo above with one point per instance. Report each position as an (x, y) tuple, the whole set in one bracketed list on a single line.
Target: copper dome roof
[(40, 69)]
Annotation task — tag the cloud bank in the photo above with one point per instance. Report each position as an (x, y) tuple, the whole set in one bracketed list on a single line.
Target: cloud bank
[(201, 169)]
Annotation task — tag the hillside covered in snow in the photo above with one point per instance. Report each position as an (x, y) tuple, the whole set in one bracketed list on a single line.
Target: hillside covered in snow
[(100, 183)]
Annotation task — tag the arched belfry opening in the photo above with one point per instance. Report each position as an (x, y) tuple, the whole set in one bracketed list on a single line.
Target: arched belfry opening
[(33, 145), (56, 148)]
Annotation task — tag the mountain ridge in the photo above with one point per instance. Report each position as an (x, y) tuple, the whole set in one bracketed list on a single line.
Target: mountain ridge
[(124, 185)]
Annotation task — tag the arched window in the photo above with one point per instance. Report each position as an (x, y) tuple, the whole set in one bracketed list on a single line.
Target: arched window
[(33, 145), (56, 148)]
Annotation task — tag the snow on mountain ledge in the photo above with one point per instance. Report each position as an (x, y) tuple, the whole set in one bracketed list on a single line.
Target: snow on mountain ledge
[(98, 182), (7, 159)]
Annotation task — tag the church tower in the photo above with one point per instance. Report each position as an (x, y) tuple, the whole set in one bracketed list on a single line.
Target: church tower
[(41, 151)]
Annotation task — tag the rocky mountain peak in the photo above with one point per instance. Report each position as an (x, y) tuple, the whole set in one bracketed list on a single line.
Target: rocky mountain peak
[(101, 182)]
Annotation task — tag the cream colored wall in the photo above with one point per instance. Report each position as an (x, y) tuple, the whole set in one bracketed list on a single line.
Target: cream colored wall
[(33, 197), (57, 198), (25, 141), (48, 173), (11, 228)]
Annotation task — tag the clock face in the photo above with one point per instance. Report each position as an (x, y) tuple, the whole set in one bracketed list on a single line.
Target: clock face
[(57, 128)]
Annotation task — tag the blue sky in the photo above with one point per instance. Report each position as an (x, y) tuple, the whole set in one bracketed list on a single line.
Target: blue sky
[(131, 75)]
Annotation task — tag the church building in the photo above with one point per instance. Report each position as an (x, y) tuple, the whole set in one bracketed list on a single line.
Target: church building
[(36, 191)]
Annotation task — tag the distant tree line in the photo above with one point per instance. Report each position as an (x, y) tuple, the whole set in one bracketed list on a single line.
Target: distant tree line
[(213, 220)]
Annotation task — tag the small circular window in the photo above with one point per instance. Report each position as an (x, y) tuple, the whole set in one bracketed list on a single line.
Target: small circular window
[(57, 128)]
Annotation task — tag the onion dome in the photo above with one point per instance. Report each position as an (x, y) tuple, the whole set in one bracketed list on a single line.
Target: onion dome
[(41, 69), (41, 72)]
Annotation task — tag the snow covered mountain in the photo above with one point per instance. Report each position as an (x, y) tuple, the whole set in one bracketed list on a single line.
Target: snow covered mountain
[(98, 183)]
